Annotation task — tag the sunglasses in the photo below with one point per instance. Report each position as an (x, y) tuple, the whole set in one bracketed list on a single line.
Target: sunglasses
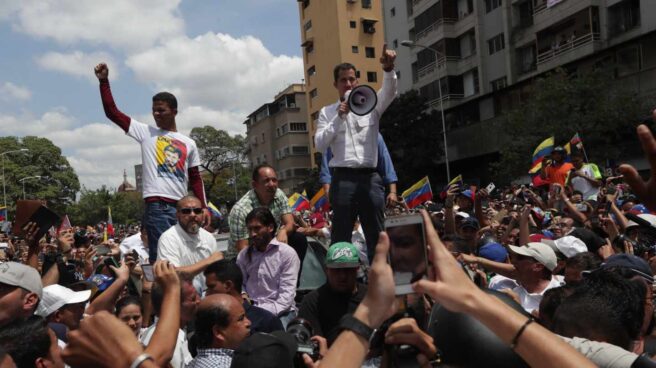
[(187, 211)]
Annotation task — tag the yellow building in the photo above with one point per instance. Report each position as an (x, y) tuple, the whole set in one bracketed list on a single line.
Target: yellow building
[(333, 32)]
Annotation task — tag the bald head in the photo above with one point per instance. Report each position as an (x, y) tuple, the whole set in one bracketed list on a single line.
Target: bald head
[(221, 322)]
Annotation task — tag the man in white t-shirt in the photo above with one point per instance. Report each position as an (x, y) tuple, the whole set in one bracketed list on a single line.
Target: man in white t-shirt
[(137, 242), (170, 160), (188, 246), (586, 178), (534, 264)]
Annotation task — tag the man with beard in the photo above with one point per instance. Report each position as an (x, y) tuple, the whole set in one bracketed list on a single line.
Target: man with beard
[(270, 267), (187, 245)]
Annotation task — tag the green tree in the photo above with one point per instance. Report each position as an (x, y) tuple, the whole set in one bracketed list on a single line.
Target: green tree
[(413, 137), (127, 207), (58, 184), (590, 103), (219, 153)]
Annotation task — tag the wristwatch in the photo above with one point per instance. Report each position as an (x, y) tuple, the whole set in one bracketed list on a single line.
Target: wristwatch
[(348, 322)]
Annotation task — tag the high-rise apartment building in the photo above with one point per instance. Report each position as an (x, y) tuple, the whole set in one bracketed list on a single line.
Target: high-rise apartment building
[(490, 51), (277, 134), (333, 32)]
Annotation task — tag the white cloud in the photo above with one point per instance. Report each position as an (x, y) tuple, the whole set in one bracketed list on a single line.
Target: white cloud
[(199, 116), (77, 63), (224, 74), (11, 92), (124, 24)]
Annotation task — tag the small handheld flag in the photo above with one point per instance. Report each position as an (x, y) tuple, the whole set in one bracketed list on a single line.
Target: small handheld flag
[(298, 202), (541, 151), (319, 201), (419, 193), (214, 210)]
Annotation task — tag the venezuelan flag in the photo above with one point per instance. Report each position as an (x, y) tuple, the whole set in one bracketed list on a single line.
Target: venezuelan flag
[(298, 202), (455, 181), (540, 152), (319, 201), (215, 211), (419, 193), (575, 140), (3, 213)]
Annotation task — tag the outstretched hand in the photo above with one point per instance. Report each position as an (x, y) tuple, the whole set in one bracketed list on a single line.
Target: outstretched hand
[(102, 71), (645, 190)]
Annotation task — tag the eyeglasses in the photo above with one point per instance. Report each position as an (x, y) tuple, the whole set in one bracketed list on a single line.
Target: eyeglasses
[(187, 211)]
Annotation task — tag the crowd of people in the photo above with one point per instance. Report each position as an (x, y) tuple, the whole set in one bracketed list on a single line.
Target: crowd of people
[(555, 275)]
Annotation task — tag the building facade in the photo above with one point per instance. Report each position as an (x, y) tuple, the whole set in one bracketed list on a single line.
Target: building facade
[(490, 51), (277, 134), (334, 32)]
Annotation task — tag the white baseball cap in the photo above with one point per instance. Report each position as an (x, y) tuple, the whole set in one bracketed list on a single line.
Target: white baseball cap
[(567, 245), (540, 252), (56, 296)]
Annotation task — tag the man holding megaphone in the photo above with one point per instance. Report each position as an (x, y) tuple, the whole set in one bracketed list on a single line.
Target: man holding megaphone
[(350, 128)]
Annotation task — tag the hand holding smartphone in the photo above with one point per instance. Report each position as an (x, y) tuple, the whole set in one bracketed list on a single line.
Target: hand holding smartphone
[(149, 274), (407, 254)]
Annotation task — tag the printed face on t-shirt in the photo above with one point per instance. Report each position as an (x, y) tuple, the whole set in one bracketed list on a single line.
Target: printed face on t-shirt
[(171, 156)]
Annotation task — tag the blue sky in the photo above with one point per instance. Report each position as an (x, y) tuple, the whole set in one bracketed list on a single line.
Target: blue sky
[(222, 59)]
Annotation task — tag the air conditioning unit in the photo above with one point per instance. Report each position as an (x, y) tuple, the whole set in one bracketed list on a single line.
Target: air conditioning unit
[(370, 29), (292, 105)]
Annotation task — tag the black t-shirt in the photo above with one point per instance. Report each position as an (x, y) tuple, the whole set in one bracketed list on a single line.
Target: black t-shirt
[(323, 308), (261, 319)]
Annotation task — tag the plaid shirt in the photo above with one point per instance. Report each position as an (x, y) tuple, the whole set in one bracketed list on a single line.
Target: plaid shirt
[(237, 218), (212, 358)]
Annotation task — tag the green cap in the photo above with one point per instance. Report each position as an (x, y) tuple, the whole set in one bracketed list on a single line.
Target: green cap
[(342, 255)]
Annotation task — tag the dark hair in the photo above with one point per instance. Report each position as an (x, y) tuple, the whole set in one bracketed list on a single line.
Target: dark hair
[(256, 170), (551, 299), (167, 98), (263, 215), (575, 192), (125, 301), (206, 319), (584, 261), (26, 340), (157, 293), (226, 270), (604, 307), (342, 66)]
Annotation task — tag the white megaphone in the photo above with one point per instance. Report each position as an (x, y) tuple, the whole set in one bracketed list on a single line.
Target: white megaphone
[(361, 99)]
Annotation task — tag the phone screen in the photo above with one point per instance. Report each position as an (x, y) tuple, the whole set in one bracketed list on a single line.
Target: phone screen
[(407, 255), (149, 274), (490, 187), (102, 250)]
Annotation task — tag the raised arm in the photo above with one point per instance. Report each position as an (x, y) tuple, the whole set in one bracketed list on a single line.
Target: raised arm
[(111, 111)]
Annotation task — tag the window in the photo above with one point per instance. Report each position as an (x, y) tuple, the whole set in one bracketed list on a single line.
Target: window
[(284, 129), (313, 93), (398, 74), (353, 24), (307, 25), (262, 137), (370, 52), (372, 77), (354, 49), (312, 71), (628, 61), (395, 44), (357, 74), (491, 5), (496, 43), (300, 150), (623, 17), (498, 84), (393, 11), (297, 127), (366, 4), (309, 48), (277, 132), (264, 160)]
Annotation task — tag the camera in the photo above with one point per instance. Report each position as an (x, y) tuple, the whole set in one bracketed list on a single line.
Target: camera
[(301, 329)]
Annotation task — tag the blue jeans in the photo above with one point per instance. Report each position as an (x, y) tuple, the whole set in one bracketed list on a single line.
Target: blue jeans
[(158, 217), (354, 194)]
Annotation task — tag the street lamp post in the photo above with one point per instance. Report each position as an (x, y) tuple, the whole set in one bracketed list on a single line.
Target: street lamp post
[(30, 177), (4, 191), (411, 44)]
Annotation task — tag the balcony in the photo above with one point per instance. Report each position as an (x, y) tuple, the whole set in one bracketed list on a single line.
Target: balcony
[(434, 27), (569, 48), (428, 70)]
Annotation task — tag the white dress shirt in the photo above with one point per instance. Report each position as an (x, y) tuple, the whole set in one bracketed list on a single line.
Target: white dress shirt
[(531, 301), (182, 249), (354, 140)]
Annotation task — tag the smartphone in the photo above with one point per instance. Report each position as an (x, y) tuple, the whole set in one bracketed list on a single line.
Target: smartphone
[(407, 254), (149, 274), (490, 187), (102, 250)]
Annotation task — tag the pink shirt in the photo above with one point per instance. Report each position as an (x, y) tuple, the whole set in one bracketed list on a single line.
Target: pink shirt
[(270, 277)]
